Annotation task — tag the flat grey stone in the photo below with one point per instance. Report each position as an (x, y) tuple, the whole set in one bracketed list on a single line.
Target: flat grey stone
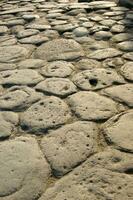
[(15, 22), (127, 70), (118, 131), (64, 27), (40, 27), (70, 145), (128, 56), (7, 66), (23, 170), (27, 33), (57, 69), (59, 49), (20, 77), (17, 10), (92, 106), (97, 78), (8, 123), (125, 46), (108, 22), (104, 53), (80, 31), (31, 64), (61, 87), (102, 35), (3, 30), (121, 93), (101, 4), (117, 28), (91, 184), (122, 37), (7, 40), (47, 113), (9, 54), (19, 98), (34, 39)]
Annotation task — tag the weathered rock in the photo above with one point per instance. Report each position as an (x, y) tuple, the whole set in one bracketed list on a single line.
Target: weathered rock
[(20, 77), (3, 30), (7, 66), (47, 113), (80, 32), (57, 86), (91, 184), (105, 53), (121, 93), (34, 39), (8, 123), (127, 70), (97, 78), (126, 46), (92, 106), (60, 69), (9, 54), (128, 56), (23, 170), (18, 98), (31, 64), (27, 33), (122, 37), (118, 131), (70, 145), (85, 64), (59, 49)]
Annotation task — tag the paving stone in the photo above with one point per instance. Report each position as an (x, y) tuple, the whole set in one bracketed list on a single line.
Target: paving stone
[(57, 69), (105, 53), (121, 93), (61, 87), (7, 66), (128, 56), (23, 170), (59, 49), (85, 64), (7, 40), (108, 22), (113, 62), (97, 78), (127, 70), (126, 3), (34, 39), (126, 46), (31, 64), (40, 27), (48, 113), (117, 28), (70, 145), (3, 30), (122, 37), (118, 131), (92, 106), (27, 33), (80, 32), (102, 35), (101, 4), (111, 159), (8, 123), (9, 54), (17, 10), (19, 98), (20, 77), (15, 22), (91, 184), (64, 27)]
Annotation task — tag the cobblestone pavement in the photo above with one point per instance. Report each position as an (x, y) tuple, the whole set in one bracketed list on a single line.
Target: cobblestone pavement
[(66, 99)]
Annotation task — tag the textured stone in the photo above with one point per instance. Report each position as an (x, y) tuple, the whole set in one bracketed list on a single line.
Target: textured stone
[(57, 86), (23, 170), (26, 33), (127, 70), (31, 64), (8, 123), (70, 145), (92, 106), (104, 53), (20, 77), (98, 78), (47, 113), (121, 93), (126, 46), (85, 64), (57, 69), (118, 131), (59, 49)]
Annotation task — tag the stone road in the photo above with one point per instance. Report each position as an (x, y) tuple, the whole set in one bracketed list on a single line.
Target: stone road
[(66, 99)]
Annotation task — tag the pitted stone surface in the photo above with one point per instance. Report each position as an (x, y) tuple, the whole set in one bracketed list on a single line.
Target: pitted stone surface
[(8, 122), (118, 131), (92, 106), (91, 184), (59, 49), (23, 170), (19, 98), (47, 113), (66, 73), (70, 145), (121, 93), (20, 77), (57, 86), (98, 78), (60, 69)]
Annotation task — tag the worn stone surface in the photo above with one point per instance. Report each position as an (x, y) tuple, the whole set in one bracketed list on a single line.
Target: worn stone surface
[(66, 73)]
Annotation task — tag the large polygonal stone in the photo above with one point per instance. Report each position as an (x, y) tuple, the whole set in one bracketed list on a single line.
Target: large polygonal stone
[(119, 131), (92, 106), (70, 145), (23, 170), (59, 49), (47, 113)]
